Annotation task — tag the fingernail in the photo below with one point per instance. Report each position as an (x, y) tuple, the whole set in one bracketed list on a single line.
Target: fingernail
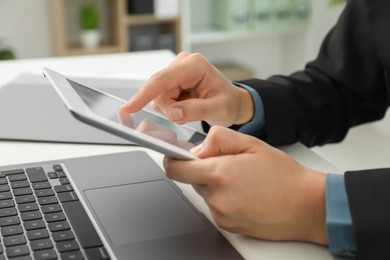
[(127, 103), (124, 106), (196, 149), (176, 114)]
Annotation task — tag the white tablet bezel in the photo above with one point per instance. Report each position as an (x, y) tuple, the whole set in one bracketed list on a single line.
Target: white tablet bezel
[(81, 111)]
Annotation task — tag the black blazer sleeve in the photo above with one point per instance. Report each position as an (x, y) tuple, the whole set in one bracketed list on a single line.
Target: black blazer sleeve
[(369, 199), (343, 87)]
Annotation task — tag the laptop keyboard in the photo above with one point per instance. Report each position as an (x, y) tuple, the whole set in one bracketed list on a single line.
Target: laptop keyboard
[(41, 217)]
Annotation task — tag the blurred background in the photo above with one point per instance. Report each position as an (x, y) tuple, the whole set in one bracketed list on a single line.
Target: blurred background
[(244, 38)]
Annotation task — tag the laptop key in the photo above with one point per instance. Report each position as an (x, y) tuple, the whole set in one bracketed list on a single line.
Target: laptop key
[(31, 215), (9, 221), (76, 255), (34, 224), (5, 195), (37, 234), (63, 236), (67, 246), (67, 196), (44, 193), (36, 174), (52, 175), (12, 172), (17, 251), (59, 226), (51, 208), (11, 230), (3, 181), (26, 257), (41, 185), (14, 240), (54, 217), (28, 207), (61, 174), (63, 188), (8, 212), (57, 167), (6, 204), (45, 255), (47, 200), (41, 244), (4, 187), (22, 191), (81, 224), (98, 253), (25, 199), (64, 180), (20, 184), (17, 177)]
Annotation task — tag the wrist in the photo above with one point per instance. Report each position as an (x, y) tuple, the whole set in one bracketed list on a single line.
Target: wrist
[(312, 211), (246, 109)]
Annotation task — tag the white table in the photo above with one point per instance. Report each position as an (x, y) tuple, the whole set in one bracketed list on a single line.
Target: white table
[(365, 147), (144, 65)]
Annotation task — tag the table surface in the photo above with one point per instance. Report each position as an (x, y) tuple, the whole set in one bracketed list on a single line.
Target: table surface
[(374, 138)]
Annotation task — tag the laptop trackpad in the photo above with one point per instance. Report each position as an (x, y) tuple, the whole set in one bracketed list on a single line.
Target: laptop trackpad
[(143, 211)]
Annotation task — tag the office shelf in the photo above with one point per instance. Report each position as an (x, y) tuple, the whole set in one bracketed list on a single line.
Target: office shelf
[(117, 24), (147, 19), (215, 36)]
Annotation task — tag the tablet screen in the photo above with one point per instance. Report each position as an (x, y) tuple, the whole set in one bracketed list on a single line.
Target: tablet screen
[(143, 121)]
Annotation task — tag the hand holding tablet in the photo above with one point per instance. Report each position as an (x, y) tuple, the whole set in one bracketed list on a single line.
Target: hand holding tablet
[(144, 127)]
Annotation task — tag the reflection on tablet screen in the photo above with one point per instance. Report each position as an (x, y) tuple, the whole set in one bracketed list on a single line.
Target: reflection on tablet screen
[(143, 121)]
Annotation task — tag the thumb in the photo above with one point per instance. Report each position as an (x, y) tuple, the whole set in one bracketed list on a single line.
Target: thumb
[(213, 110), (194, 109), (224, 141)]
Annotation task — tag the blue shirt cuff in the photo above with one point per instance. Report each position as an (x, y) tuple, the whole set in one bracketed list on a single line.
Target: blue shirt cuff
[(258, 121), (341, 237)]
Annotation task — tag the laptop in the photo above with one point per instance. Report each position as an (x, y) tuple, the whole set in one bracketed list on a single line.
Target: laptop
[(47, 117), (115, 206)]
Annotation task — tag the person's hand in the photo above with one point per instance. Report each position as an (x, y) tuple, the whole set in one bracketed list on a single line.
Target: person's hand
[(254, 189), (192, 89), (125, 119)]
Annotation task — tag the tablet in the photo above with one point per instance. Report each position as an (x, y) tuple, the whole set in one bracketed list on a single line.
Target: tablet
[(145, 128)]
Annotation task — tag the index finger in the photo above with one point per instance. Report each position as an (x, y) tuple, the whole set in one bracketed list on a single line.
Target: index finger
[(182, 74), (146, 94)]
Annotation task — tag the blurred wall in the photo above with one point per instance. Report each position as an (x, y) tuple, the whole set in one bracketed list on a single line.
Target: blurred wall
[(25, 26)]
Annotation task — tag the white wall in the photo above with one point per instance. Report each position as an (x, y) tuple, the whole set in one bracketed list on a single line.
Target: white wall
[(26, 25), (26, 28)]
